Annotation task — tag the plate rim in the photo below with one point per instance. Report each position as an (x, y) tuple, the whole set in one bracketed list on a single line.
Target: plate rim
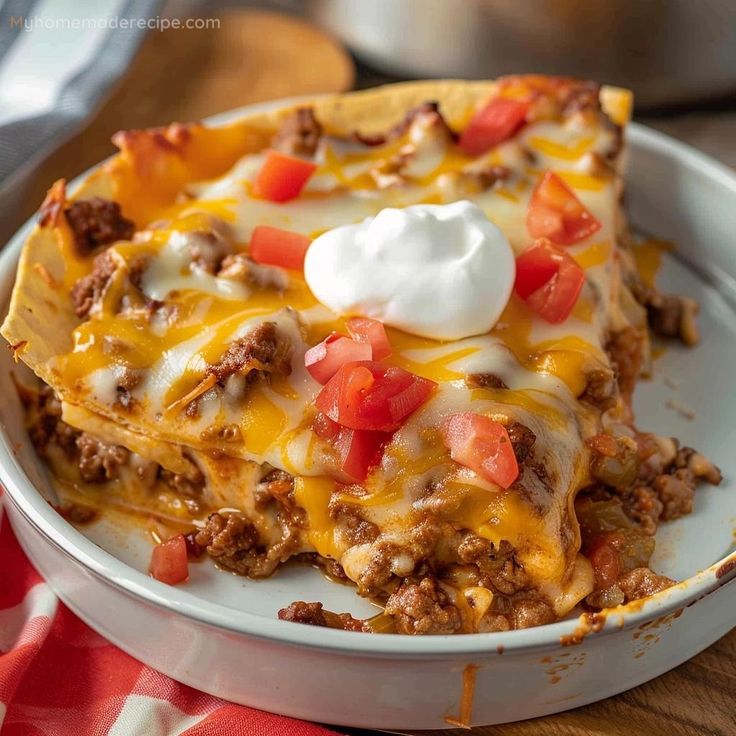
[(112, 571)]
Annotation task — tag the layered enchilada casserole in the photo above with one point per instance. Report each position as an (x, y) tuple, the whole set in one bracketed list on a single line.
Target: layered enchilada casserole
[(394, 334)]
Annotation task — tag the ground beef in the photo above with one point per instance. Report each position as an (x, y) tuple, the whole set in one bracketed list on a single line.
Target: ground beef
[(669, 495), (90, 289), (231, 540), (96, 222), (300, 612), (185, 485), (471, 182), (353, 527), (47, 427), (239, 267), (641, 582), (277, 485), (600, 389), (484, 380), (99, 462), (522, 439), (423, 608), (207, 250), (129, 379), (527, 612), (498, 567), (645, 508), (299, 134), (669, 315), (626, 351), (314, 614), (426, 108), (580, 96), (259, 353), (380, 569)]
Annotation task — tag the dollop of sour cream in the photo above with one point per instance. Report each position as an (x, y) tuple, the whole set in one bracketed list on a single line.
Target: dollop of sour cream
[(439, 271)]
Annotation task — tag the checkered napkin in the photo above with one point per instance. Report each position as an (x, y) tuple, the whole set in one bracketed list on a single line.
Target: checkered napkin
[(60, 678)]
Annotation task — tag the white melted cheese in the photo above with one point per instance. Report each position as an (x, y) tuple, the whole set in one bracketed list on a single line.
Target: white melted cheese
[(172, 270)]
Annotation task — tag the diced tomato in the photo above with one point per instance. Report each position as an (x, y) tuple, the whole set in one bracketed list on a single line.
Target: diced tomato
[(277, 247), (169, 562), (371, 331), (605, 558), (359, 451), (324, 427), (493, 124), (556, 213), (324, 359), (548, 280), (484, 446), (372, 396), (282, 177)]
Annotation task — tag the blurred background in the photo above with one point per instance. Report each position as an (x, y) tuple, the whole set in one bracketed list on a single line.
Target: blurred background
[(72, 72)]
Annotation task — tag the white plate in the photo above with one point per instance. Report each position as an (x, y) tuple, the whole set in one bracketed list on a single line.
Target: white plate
[(219, 632)]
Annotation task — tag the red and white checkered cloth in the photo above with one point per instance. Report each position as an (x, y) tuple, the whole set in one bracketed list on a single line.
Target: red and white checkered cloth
[(59, 678)]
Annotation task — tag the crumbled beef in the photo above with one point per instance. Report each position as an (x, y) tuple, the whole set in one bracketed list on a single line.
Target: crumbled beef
[(669, 494), (128, 380), (277, 485), (423, 608), (96, 222), (230, 539), (259, 353), (380, 568), (600, 389), (238, 267), (301, 612), (233, 542), (90, 289), (581, 96), (645, 508), (47, 428), (353, 527), (499, 568), (522, 440), (669, 315), (675, 493), (299, 134), (527, 612), (99, 462), (698, 465), (474, 181), (484, 380), (313, 614), (426, 108), (186, 485), (207, 250), (641, 582), (626, 351)]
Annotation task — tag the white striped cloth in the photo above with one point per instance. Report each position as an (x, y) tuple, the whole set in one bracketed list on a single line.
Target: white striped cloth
[(60, 678)]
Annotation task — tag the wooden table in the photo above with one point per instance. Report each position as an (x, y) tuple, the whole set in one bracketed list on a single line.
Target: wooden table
[(184, 75)]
